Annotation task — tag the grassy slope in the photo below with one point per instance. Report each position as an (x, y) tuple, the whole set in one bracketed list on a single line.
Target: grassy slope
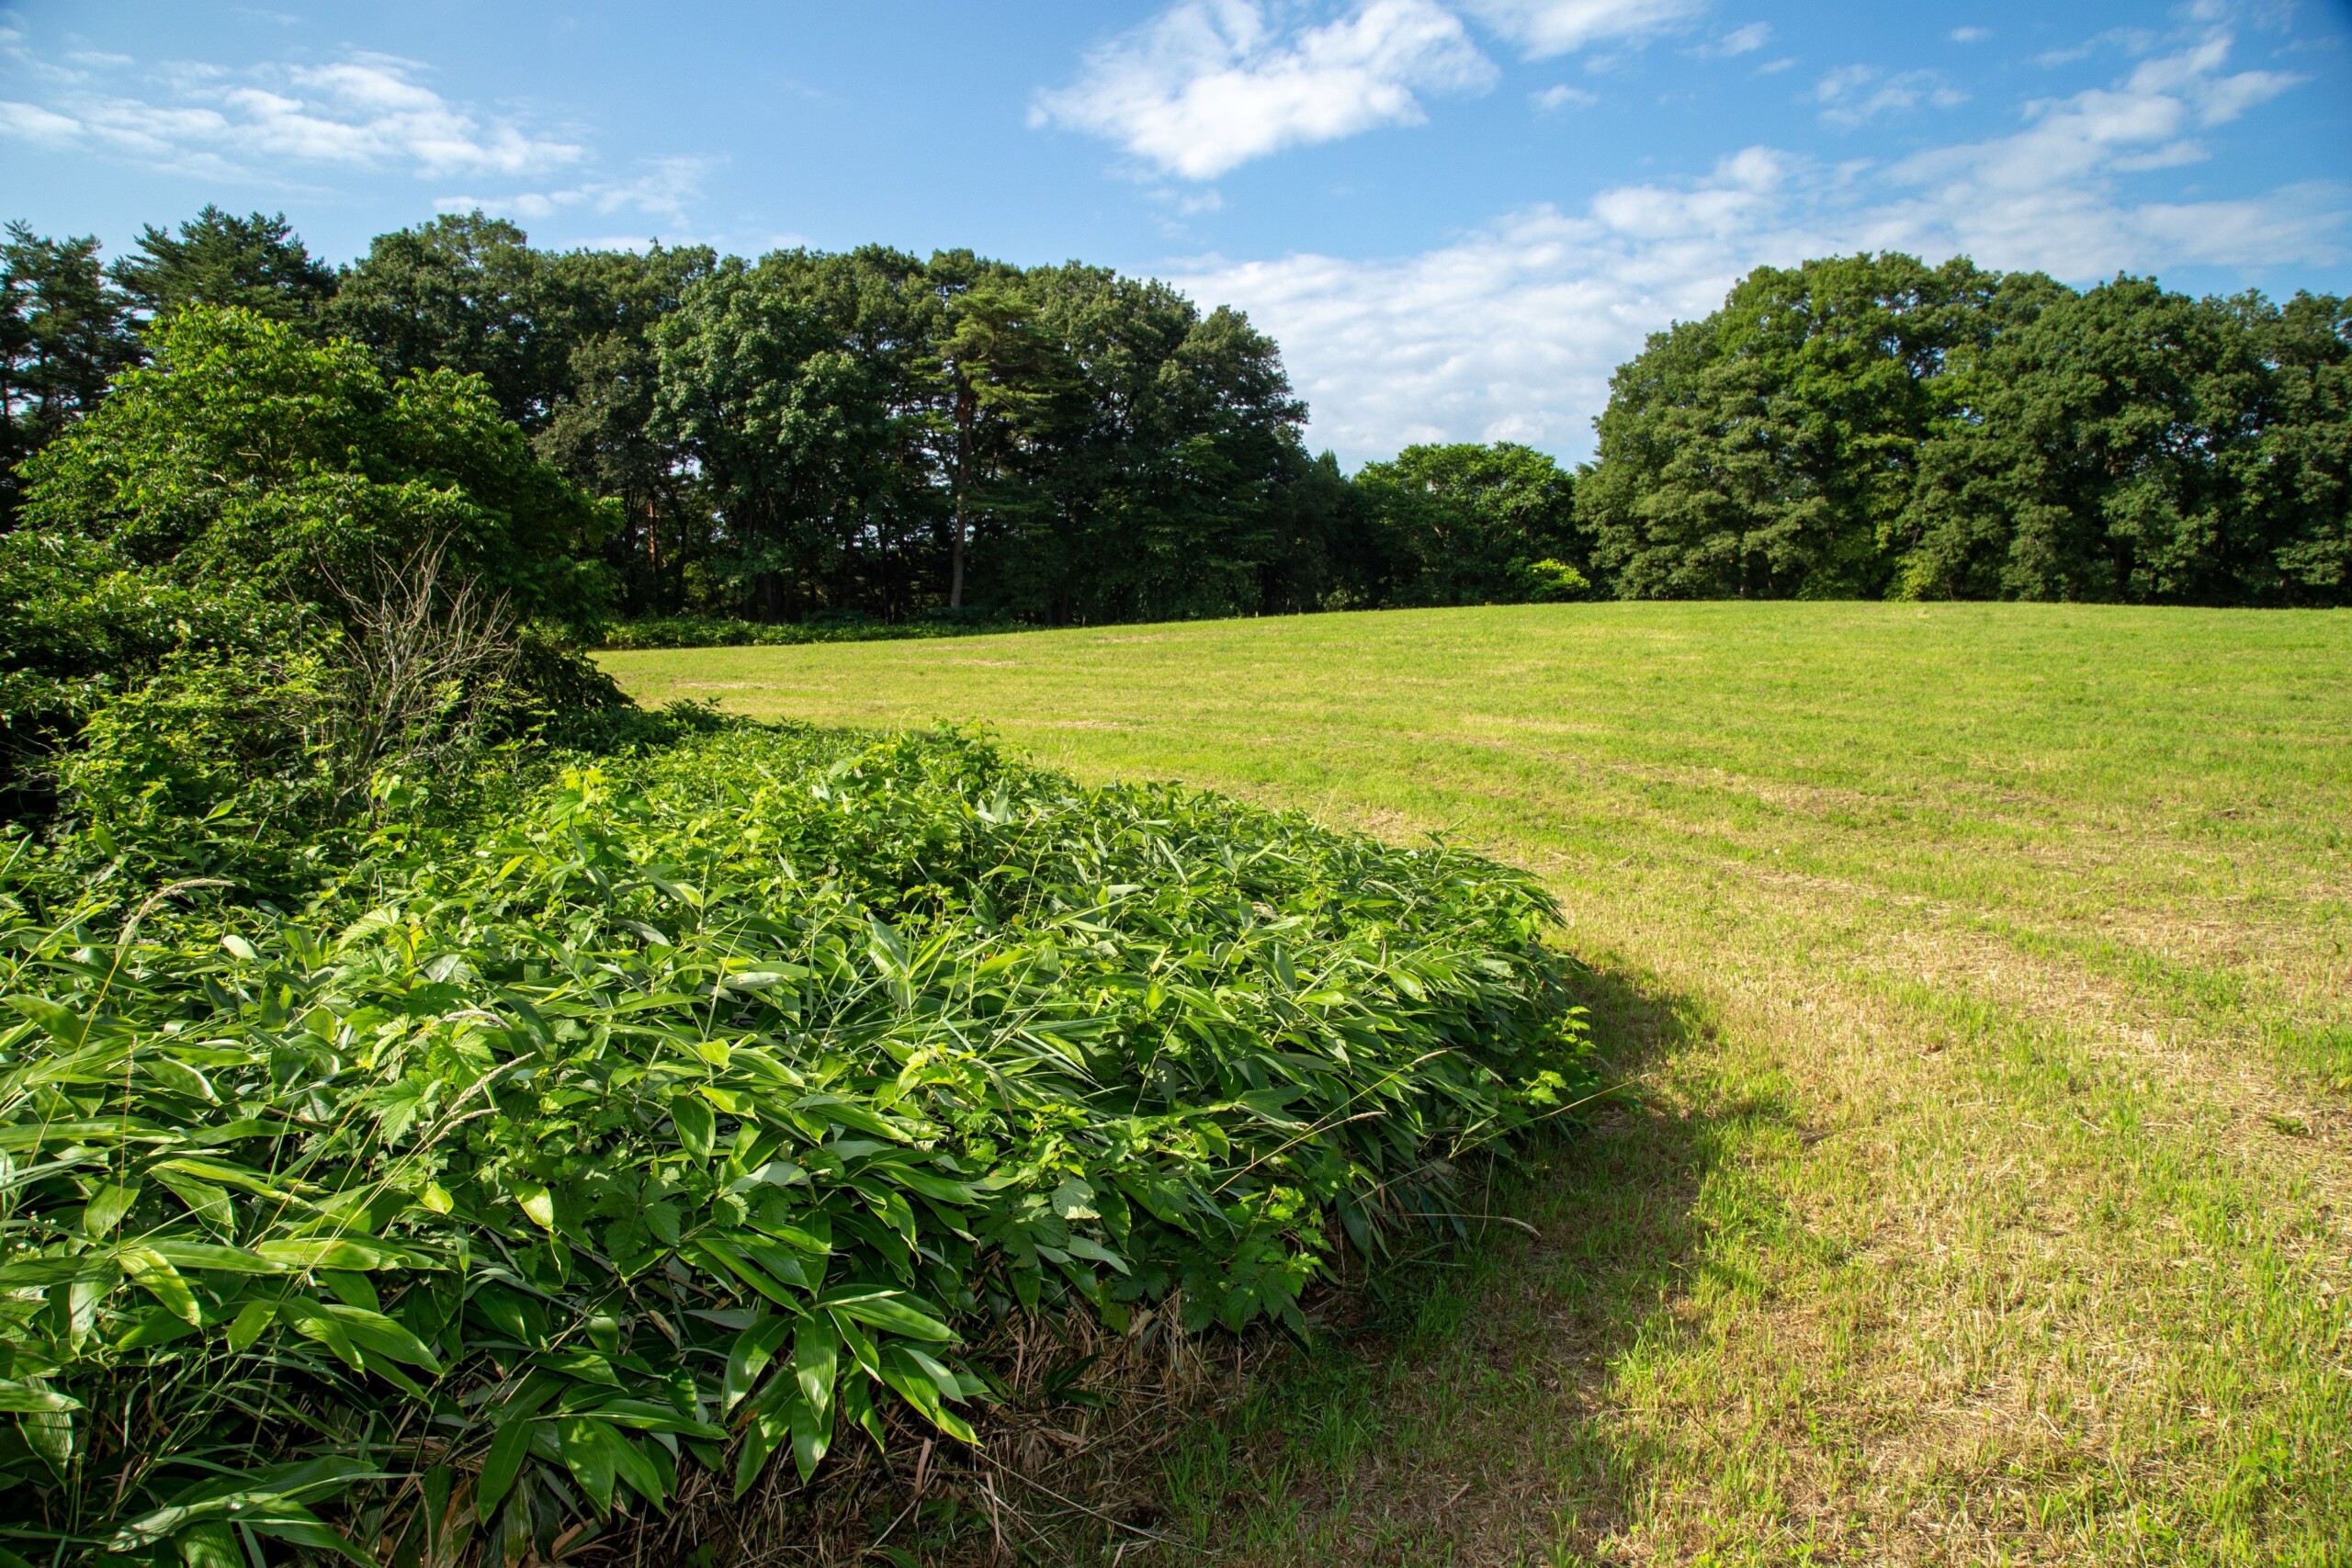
[(1988, 973)]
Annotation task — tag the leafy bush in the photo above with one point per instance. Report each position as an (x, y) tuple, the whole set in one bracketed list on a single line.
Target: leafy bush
[(694, 1115), (246, 455), (261, 575), (1549, 581)]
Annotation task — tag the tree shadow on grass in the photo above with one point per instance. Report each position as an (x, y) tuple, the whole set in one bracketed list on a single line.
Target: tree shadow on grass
[(1454, 1409)]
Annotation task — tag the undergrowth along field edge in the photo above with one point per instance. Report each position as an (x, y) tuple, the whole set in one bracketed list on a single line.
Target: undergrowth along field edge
[(692, 1120)]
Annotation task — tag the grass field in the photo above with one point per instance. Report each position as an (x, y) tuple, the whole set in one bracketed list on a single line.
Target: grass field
[(1984, 977)]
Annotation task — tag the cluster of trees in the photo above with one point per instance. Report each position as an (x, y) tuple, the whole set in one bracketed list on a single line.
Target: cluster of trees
[(869, 434), (286, 546), (1871, 426)]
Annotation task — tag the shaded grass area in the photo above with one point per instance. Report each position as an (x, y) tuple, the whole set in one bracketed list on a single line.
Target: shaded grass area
[(1988, 974)]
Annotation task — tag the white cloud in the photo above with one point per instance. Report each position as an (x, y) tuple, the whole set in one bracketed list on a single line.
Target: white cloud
[(1546, 28), (368, 111), (1510, 332), (1562, 96), (1744, 41), (665, 191), (1209, 85), (2046, 196), (1854, 95), (30, 122), (1970, 35)]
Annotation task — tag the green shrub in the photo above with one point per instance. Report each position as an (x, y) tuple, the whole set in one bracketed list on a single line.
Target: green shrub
[(1548, 582), (79, 627), (246, 455), (692, 1117)]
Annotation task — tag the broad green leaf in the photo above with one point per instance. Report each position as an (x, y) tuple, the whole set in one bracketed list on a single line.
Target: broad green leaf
[(153, 1272), (211, 1544), (355, 1289), (60, 1022), (816, 1362), (536, 1201), (727, 1259), (205, 1202), (508, 1449), (749, 1355), (813, 1433), (884, 1311), (18, 1399), (588, 1454), (1081, 1248), (49, 1434), (313, 1321), (696, 1128), (760, 1440), (107, 1204), (1074, 1200), (251, 1319), (856, 1402), (156, 1325), (374, 1332), (180, 1079), (187, 1254), (318, 1252), (38, 1271)]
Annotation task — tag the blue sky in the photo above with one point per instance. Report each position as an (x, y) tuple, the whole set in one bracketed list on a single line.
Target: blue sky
[(1457, 216)]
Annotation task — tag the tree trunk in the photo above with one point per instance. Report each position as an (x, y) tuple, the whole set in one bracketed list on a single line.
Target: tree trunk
[(965, 413), (955, 557)]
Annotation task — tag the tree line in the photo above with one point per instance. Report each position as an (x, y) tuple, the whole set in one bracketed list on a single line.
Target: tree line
[(870, 435), (809, 434), (1874, 427)]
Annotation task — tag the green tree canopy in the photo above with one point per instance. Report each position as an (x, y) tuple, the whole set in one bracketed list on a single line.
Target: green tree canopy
[(216, 258), (1467, 525), (2130, 444), (246, 454), (63, 337), (1769, 450), (1869, 426), (465, 293)]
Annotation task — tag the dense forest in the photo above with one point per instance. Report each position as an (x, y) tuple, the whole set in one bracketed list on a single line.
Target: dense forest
[(816, 437), (811, 434)]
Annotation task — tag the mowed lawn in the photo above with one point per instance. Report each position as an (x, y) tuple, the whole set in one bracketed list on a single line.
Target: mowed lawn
[(1983, 974)]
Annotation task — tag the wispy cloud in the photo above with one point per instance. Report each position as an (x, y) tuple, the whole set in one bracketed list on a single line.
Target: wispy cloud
[(2047, 194), (1562, 96), (1546, 28), (664, 190), (262, 124), (1209, 85), (1970, 35), (1511, 332), (1855, 94), (1741, 41)]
